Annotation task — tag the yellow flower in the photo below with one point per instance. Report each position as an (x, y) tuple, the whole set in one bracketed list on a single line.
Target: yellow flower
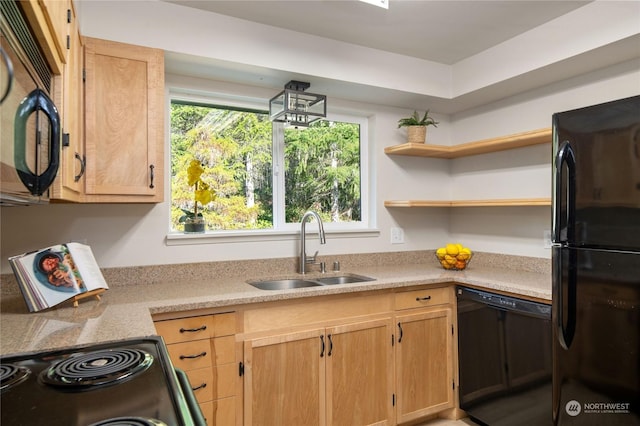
[(194, 172), (203, 193)]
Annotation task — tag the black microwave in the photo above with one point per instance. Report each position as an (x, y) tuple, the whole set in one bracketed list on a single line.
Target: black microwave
[(30, 128)]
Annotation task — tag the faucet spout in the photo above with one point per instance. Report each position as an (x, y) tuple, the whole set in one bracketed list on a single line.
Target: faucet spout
[(304, 259)]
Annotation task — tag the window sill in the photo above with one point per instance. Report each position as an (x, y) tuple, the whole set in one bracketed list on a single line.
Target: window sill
[(221, 237)]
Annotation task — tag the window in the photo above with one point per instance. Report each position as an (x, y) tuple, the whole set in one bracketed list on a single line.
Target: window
[(266, 175)]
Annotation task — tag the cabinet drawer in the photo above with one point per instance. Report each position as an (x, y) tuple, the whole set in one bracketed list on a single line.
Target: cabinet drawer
[(224, 324), (194, 328), (185, 329), (423, 298), (223, 350), (191, 355), (224, 378), (221, 412), (202, 383)]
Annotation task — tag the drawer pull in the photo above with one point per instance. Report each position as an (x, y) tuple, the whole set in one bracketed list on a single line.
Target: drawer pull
[(193, 330), (202, 386), (200, 355), (422, 299)]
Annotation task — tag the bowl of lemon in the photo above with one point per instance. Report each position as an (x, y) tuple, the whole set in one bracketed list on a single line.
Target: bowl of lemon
[(454, 256)]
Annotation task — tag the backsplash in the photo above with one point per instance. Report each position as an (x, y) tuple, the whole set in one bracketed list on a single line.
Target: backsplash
[(252, 269)]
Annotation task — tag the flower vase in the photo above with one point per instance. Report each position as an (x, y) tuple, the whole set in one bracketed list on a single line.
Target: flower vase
[(194, 225)]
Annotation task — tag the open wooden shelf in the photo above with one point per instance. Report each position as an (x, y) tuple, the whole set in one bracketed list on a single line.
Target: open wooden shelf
[(519, 140), (513, 202)]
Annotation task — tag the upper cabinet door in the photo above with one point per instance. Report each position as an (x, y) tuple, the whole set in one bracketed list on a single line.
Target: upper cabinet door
[(124, 122), (49, 20)]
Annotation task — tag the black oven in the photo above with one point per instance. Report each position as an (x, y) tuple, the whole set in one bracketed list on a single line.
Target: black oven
[(30, 128), (505, 359), (128, 382)]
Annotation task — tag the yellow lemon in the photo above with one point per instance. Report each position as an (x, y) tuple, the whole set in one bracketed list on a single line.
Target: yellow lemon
[(465, 254), (445, 265), (450, 259), (441, 252), (459, 246), (452, 249)]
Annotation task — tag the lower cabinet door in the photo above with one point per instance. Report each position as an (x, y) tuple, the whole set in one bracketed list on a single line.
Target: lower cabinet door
[(284, 379), (424, 363), (360, 373)]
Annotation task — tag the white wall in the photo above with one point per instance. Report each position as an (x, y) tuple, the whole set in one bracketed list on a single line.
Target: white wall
[(525, 172), (127, 235)]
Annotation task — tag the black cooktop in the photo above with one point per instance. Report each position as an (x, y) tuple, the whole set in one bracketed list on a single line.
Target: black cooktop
[(129, 382)]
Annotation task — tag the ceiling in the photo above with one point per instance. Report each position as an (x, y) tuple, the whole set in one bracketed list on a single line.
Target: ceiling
[(441, 31), (481, 44)]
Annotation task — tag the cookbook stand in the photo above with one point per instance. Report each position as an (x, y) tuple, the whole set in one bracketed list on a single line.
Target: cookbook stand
[(96, 293)]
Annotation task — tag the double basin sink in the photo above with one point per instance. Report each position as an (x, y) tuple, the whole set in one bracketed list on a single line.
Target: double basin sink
[(291, 283)]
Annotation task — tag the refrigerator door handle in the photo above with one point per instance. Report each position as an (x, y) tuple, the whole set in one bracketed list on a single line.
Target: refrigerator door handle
[(565, 334), (564, 155)]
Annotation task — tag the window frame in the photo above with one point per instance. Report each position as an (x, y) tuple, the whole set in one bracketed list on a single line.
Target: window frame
[(281, 230)]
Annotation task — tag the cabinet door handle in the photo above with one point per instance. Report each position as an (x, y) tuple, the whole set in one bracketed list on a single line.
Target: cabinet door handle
[(322, 346), (400, 332), (193, 330), (202, 386), (151, 167), (200, 355), (83, 164), (422, 299), (330, 345)]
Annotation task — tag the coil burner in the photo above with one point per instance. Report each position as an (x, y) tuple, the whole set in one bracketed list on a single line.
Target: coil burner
[(104, 367), (11, 375)]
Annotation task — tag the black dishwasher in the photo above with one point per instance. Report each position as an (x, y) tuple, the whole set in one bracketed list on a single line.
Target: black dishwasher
[(505, 366)]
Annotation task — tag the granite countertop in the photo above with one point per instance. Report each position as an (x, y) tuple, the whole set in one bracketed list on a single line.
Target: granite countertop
[(125, 311)]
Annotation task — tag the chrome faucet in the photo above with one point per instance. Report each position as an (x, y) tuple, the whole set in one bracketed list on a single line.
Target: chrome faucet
[(304, 259)]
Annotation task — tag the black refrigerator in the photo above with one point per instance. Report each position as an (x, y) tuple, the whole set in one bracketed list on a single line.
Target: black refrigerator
[(596, 265)]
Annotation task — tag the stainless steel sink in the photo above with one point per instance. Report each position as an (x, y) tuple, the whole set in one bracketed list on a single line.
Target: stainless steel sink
[(284, 284), (287, 284), (343, 279)]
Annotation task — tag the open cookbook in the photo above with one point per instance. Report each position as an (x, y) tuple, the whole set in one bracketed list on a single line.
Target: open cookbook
[(57, 274)]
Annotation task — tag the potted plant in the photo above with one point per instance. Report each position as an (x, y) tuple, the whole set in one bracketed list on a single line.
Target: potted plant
[(202, 193), (417, 126)]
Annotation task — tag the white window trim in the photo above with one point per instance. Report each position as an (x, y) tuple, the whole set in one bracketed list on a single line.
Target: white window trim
[(283, 231)]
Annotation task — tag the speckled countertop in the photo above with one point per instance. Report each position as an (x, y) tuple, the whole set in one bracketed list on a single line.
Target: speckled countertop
[(135, 294)]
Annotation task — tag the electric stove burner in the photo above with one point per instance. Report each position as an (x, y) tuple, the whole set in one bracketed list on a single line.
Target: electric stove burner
[(102, 367), (129, 421), (11, 375)]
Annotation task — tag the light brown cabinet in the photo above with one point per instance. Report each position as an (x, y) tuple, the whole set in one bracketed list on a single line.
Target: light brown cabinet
[(69, 184), (424, 353), (49, 21), (124, 122), (379, 358), (204, 347), (340, 375)]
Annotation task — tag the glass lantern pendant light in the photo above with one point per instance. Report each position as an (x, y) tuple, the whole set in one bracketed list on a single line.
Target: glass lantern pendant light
[(296, 107)]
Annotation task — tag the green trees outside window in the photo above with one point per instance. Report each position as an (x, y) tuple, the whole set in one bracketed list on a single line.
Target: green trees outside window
[(235, 148)]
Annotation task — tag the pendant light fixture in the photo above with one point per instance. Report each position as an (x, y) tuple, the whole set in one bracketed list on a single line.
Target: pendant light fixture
[(296, 107)]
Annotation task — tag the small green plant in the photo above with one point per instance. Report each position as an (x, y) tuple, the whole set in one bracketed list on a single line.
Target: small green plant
[(415, 120)]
